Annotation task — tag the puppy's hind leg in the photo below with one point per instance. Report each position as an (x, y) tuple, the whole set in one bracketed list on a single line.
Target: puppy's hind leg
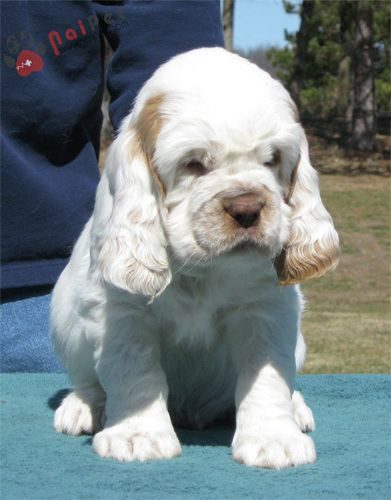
[(81, 411), (302, 413), (74, 335)]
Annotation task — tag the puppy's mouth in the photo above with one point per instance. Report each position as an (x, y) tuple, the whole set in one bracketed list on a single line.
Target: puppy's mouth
[(246, 245), (239, 243)]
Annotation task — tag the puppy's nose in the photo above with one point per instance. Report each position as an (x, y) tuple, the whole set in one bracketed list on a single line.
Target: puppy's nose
[(244, 209)]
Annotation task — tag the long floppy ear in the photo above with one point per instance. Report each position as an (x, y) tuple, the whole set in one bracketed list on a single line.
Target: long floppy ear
[(132, 244), (312, 247)]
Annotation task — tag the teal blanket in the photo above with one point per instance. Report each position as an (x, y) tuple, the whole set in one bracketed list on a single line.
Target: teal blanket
[(352, 440)]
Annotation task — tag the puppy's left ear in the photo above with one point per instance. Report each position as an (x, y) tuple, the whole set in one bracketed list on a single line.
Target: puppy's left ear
[(313, 246)]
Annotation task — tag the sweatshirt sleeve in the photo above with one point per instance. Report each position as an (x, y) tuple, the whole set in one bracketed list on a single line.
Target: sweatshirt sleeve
[(145, 34)]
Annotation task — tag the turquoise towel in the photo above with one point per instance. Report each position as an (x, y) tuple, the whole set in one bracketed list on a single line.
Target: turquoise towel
[(352, 440)]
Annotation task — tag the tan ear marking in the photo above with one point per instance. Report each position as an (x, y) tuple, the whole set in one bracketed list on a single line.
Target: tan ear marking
[(292, 181), (295, 265), (148, 126)]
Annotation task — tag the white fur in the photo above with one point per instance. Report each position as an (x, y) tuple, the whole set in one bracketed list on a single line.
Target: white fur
[(161, 306)]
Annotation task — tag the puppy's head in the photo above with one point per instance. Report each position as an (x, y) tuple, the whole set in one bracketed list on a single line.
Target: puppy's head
[(213, 160)]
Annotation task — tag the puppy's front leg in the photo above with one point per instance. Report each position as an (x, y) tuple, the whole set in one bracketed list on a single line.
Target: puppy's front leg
[(138, 426), (266, 432)]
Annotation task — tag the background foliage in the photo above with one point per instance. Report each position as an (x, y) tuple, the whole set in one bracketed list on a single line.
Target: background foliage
[(325, 89)]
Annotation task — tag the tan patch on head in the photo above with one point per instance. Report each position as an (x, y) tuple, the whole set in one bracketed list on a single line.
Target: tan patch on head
[(147, 126)]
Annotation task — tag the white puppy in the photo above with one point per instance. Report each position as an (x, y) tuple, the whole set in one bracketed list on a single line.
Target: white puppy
[(171, 309)]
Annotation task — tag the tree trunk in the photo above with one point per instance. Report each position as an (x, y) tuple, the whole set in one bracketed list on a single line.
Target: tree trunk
[(364, 108), (228, 23), (347, 17), (302, 39)]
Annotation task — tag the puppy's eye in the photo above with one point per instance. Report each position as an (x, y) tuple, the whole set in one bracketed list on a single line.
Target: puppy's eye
[(196, 167), (274, 161)]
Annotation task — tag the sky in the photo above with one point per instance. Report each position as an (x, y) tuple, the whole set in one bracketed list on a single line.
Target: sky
[(261, 22)]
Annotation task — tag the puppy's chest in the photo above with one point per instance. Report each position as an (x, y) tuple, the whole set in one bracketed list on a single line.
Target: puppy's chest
[(195, 311), (190, 317)]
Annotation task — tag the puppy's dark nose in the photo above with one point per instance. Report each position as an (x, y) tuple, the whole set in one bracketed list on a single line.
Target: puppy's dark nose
[(244, 209)]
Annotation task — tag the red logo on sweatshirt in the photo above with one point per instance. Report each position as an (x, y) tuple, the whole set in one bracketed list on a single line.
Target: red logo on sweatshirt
[(28, 62)]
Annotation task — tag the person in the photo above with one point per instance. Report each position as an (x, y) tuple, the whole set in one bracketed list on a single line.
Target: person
[(52, 84)]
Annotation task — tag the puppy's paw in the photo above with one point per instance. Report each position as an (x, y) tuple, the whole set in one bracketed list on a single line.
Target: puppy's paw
[(302, 413), (124, 445), (75, 416), (276, 451)]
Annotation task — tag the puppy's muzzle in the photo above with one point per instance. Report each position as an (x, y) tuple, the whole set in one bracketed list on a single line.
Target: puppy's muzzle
[(245, 209)]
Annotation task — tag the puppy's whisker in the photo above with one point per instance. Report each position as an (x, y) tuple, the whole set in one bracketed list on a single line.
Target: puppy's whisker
[(195, 264), (184, 264)]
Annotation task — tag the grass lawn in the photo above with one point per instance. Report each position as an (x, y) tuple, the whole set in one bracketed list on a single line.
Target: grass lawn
[(347, 321)]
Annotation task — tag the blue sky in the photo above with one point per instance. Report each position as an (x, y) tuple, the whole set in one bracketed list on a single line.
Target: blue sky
[(261, 22)]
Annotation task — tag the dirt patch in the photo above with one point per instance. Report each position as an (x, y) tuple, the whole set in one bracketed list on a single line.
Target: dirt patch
[(330, 157)]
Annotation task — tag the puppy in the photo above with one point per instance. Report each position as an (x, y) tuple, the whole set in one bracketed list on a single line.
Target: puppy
[(171, 309)]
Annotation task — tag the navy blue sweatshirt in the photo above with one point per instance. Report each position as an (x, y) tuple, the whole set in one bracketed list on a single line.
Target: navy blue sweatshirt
[(52, 81)]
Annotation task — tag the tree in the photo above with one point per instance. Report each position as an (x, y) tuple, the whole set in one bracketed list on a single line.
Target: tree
[(364, 108), (345, 87), (302, 39), (228, 23), (308, 64), (338, 64)]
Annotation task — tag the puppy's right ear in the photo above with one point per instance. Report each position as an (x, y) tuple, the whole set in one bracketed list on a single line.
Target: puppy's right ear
[(131, 243), (313, 245)]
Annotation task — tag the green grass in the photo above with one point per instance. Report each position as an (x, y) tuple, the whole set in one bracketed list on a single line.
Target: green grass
[(347, 321)]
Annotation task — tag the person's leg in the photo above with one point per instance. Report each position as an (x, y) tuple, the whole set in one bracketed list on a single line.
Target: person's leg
[(25, 344)]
